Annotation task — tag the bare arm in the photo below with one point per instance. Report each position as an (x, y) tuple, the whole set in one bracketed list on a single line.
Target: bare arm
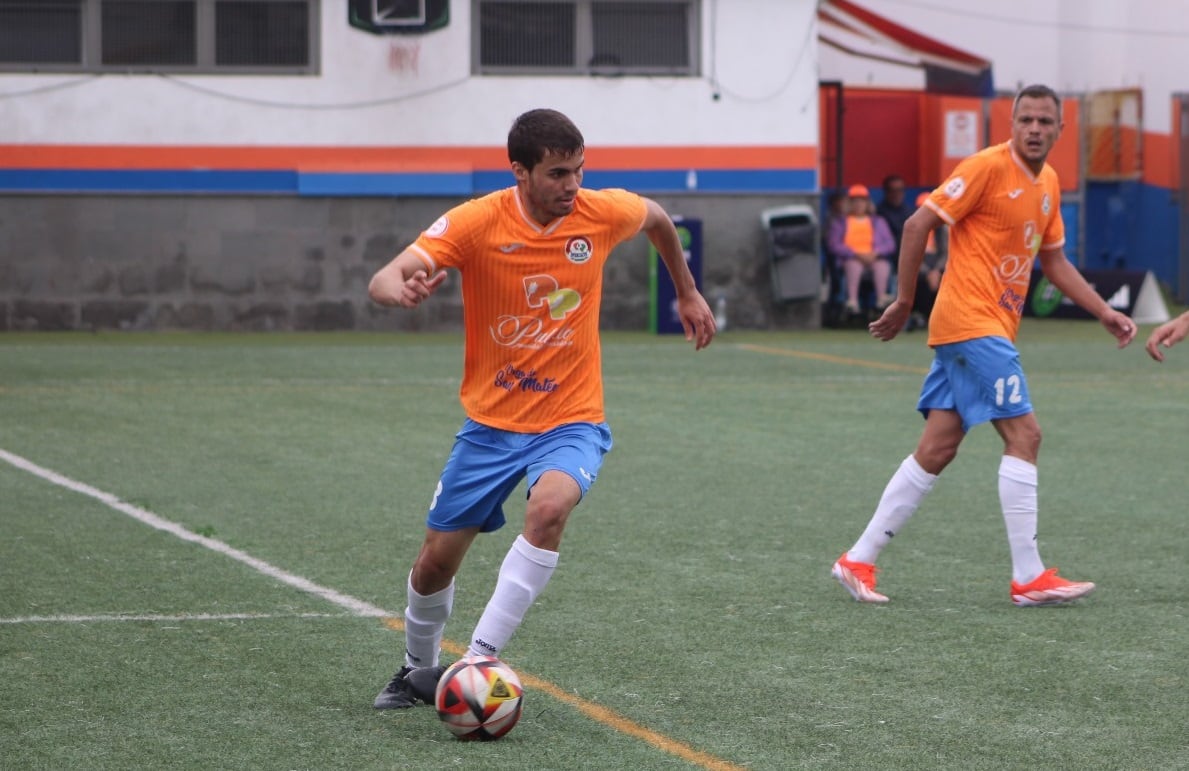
[(405, 281), (692, 308), (912, 253), (1167, 335), (1061, 272), (661, 231)]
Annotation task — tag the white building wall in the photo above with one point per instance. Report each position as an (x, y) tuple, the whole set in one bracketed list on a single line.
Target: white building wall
[(758, 55), (1071, 45)]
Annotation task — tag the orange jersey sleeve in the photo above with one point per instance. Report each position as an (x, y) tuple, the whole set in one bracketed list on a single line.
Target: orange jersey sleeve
[(531, 295), (1000, 216)]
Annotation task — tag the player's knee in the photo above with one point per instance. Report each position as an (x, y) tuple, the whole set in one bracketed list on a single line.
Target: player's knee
[(545, 523), (1034, 437), (1024, 443), (548, 507), (431, 575), (544, 532), (934, 457), (549, 512)]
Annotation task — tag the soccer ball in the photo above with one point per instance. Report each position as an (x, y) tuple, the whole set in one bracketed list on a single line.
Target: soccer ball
[(479, 697)]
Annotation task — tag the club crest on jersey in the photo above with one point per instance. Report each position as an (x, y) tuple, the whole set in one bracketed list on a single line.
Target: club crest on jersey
[(579, 250), (1046, 205), (439, 227)]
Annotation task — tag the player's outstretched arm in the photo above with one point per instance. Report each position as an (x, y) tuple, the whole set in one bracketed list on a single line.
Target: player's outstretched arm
[(1059, 270), (1167, 335), (696, 317), (404, 282)]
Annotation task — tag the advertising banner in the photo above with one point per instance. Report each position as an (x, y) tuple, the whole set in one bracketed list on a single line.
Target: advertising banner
[(662, 312), (1133, 292)]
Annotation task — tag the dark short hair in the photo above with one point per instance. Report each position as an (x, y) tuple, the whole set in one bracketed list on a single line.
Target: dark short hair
[(1036, 91), (541, 131), (890, 179)]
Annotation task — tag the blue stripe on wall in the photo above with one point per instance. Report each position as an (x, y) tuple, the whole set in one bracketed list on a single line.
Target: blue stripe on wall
[(365, 184), (388, 184), (145, 181), (710, 181), (680, 181)]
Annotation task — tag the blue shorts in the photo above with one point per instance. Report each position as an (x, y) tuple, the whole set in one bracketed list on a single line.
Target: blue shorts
[(981, 379), (486, 464)]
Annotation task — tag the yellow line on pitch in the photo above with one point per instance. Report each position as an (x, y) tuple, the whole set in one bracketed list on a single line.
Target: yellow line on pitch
[(833, 359), (602, 714)]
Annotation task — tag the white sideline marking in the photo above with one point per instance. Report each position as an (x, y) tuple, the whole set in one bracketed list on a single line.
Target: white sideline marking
[(160, 617), (356, 606), (596, 712)]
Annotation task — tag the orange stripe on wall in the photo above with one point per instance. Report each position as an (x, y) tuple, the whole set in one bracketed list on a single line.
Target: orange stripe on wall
[(388, 158), (750, 157), (249, 158)]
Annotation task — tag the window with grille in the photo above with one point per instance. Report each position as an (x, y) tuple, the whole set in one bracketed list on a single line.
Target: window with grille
[(249, 33), (581, 37), (214, 36), (40, 32), (133, 32)]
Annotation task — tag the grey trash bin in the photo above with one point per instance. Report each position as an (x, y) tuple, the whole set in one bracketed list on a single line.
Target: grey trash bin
[(794, 252)]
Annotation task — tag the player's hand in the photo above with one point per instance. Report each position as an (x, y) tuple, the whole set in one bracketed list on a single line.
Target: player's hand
[(1119, 325), (891, 321), (1167, 335), (697, 320), (419, 286)]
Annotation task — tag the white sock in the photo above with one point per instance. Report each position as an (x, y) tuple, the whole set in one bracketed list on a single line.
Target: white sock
[(1017, 496), (425, 619), (903, 494), (523, 575)]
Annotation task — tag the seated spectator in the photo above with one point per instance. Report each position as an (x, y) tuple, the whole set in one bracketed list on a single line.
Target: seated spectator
[(895, 207), (836, 210), (863, 245), (929, 278)]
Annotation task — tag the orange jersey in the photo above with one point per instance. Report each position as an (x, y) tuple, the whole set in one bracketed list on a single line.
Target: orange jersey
[(531, 295), (1000, 216)]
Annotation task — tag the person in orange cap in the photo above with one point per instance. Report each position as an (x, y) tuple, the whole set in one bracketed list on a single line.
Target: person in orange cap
[(863, 245)]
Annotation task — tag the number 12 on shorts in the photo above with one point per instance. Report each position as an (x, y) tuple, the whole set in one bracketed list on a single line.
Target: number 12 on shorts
[(1008, 387)]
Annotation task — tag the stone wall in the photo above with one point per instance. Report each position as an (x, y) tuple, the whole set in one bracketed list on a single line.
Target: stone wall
[(298, 263)]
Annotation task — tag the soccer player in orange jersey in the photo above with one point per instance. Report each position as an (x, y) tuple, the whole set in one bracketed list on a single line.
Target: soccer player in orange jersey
[(531, 259), (1002, 206)]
